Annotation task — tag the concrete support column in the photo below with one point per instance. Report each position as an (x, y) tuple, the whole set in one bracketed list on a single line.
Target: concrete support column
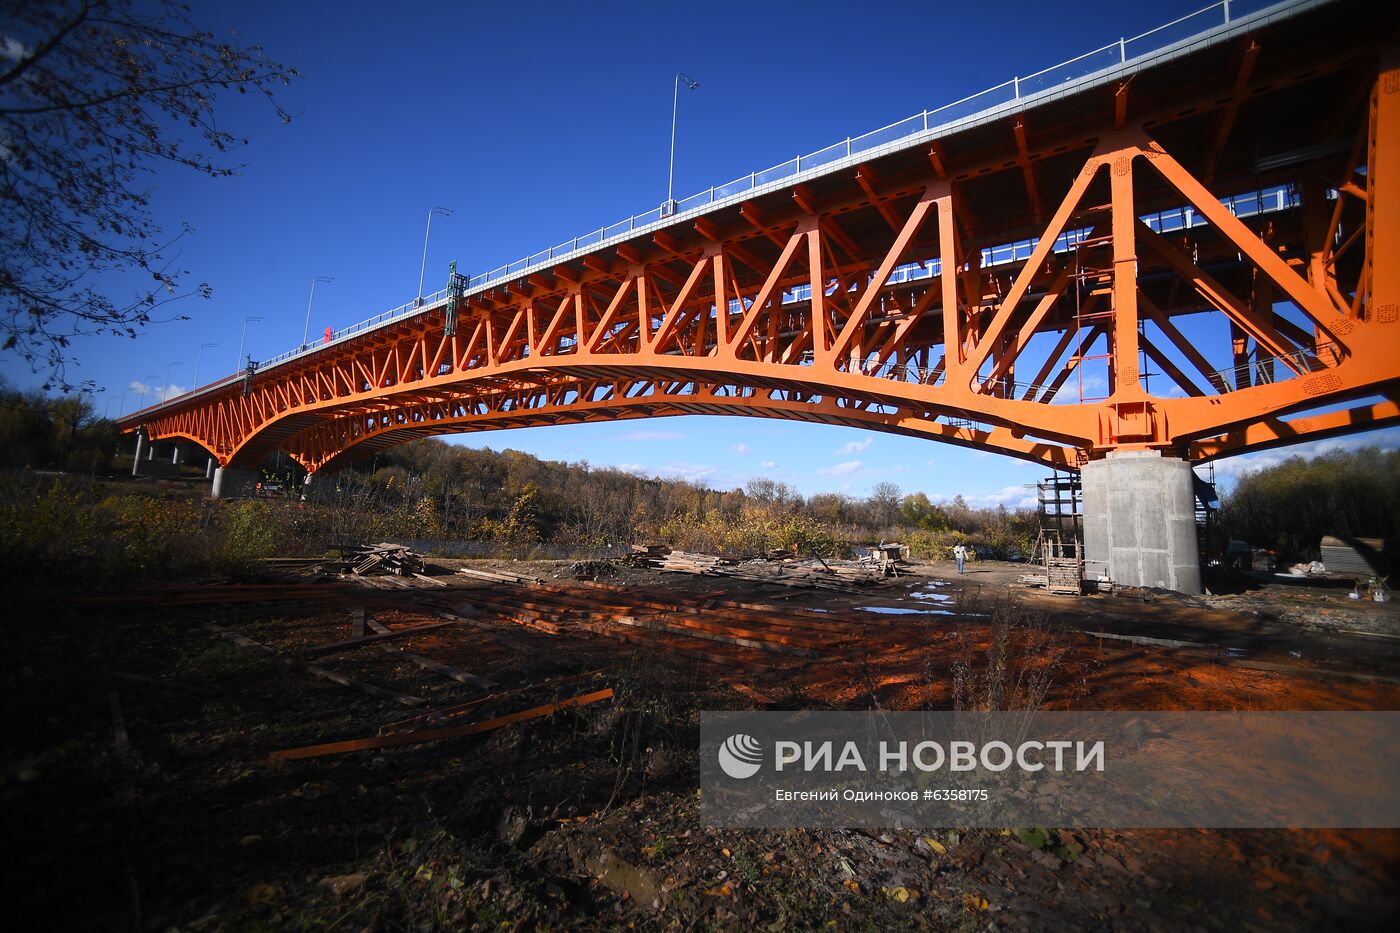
[(1140, 521), (151, 452), (209, 468), (180, 452), (136, 457), (233, 483)]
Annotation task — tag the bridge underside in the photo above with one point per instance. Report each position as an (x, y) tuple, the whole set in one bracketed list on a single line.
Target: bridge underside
[(1182, 260)]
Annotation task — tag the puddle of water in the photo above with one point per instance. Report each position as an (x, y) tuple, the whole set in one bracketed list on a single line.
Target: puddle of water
[(929, 596), (901, 611), (1235, 653)]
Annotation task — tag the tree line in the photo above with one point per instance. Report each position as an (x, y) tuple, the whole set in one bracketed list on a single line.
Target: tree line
[(1288, 507)]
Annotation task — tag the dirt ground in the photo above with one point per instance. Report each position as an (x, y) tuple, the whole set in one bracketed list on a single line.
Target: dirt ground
[(588, 819)]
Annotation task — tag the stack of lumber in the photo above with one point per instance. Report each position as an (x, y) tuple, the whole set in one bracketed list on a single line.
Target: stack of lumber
[(785, 571), (383, 558), (643, 555), (688, 562), (844, 576), (358, 559)]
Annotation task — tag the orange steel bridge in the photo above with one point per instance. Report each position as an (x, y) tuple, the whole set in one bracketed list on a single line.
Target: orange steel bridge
[(1194, 251)]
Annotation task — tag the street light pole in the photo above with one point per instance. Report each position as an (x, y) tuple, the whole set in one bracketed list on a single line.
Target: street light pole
[(423, 267), (121, 409), (306, 332), (692, 84), (242, 341), (200, 359), (145, 384), (165, 392)]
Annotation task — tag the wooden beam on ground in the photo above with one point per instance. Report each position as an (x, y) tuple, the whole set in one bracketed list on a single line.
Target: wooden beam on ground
[(433, 735), (321, 672), (333, 647), (437, 667), (162, 682), (762, 699)]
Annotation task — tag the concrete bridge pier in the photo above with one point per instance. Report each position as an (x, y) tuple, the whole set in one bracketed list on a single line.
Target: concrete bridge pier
[(136, 457), (179, 453), (209, 468), (1140, 521), (233, 483)]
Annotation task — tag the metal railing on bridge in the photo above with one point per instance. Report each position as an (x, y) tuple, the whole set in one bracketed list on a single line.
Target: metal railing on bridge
[(1185, 32)]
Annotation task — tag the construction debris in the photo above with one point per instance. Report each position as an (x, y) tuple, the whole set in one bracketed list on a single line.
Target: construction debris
[(592, 569), (384, 558), (361, 560)]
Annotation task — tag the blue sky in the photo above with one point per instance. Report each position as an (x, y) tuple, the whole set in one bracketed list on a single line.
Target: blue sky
[(537, 121)]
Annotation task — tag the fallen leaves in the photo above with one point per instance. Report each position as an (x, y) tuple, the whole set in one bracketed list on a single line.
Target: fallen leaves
[(974, 902)]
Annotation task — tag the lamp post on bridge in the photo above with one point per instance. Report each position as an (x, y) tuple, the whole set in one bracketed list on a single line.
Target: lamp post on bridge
[(306, 332), (145, 384), (423, 267), (242, 341), (200, 359), (669, 207), (165, 392)]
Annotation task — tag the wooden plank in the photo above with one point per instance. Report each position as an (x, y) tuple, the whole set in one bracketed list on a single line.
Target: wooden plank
[(321, 672), (438, 716), (762, 699), (332, 647), (499, 577), (437, 667), (163, 682), (493, 631), (433, 735)]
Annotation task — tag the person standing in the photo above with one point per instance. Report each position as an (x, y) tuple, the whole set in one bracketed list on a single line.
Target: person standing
[(960, 555)]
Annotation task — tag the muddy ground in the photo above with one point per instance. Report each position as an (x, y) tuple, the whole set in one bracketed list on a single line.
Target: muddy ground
[(588, 819)]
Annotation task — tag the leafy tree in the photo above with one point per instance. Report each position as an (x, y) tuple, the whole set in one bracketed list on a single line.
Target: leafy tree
[(53, 433), (1291, 505), (94, 95), (919, 512)]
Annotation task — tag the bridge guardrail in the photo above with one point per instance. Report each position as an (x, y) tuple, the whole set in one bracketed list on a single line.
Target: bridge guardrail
[(1183, 29)]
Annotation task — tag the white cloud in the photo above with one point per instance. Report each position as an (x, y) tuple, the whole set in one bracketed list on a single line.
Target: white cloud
[(739, 448), (1013, 497), (842, 469), (155, 393), (767, 464), (652, 436), (855, 447), (690, 472)]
